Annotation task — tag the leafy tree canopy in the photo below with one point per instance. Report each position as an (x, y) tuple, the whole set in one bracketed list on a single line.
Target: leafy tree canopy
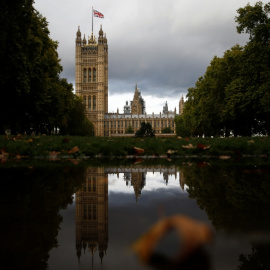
[(166, 130), (129, 130), (36, 98), (233, 96), (145, 130)]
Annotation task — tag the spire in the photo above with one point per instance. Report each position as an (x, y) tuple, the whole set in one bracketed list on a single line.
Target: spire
[(92, 39), (165, 108), (79, 32), (84, 246), (101, 255), (84, 40), (78, 38), (101, 32), (79, 250), (138, 103)]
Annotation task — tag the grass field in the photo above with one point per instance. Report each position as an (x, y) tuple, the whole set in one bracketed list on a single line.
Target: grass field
[(94, 147)]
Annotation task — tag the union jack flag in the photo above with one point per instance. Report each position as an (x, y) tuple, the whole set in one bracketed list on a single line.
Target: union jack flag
[(98, 14)]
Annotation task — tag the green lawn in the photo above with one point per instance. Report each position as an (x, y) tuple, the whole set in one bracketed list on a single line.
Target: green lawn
[(78, 147)]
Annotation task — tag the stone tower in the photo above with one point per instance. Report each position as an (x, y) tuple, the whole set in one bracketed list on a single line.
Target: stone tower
[(91, 77)]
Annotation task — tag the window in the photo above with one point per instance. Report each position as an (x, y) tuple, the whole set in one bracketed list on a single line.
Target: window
[(94, 212), (84, 75), (89, 212), (89, 75), (94, 184), (89, 185), (94, 102), (84, 100), (84, 212), (94, 74), (89, 102)]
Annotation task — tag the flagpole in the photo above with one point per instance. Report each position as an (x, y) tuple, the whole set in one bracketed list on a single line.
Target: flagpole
[(92, 19)]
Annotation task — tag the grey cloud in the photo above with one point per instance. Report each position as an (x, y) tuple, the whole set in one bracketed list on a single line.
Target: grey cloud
[(165, 47)]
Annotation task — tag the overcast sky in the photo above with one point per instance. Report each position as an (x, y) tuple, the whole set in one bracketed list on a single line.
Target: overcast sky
[(162, 45)]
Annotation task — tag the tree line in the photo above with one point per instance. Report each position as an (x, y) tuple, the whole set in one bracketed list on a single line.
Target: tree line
[(233, 96), (34, 98)]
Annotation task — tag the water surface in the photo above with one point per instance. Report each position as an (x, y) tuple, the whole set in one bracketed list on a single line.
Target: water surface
[(61, 215)]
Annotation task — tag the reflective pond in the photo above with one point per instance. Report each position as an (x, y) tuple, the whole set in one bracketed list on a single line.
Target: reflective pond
[(81, 215)]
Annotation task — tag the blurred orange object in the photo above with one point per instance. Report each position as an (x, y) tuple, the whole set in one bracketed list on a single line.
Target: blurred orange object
[(192, 234)]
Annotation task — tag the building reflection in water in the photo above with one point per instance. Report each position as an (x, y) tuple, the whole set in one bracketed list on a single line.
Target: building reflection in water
[(92, 204), (92, 214), (136, 177)]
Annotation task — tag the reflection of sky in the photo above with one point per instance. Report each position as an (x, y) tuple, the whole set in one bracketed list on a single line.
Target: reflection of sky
[(154, 181)]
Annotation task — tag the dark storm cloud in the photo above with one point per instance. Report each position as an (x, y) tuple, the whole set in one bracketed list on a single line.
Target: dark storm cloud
[(164, 46)]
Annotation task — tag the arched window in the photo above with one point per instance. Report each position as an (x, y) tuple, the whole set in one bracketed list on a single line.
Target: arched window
[(94, 74), (94, 102), (84, 100), (89, 102), (89, 75), (94, 212), (84, 212), (84, 75), (89, 185), (94, 184), (89, 212)]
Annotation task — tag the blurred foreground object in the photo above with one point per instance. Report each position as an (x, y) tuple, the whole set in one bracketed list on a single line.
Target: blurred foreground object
[(191, 236)]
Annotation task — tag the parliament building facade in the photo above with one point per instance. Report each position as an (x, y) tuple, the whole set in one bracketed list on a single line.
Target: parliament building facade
[(91, 83)]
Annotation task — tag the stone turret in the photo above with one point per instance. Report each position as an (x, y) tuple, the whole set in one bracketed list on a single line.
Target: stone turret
[(79, 37), (181, 105), (84, 40)]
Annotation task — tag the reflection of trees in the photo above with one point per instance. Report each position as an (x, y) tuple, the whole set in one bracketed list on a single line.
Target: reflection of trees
[(258, 259), (31, 200), (235, 198)]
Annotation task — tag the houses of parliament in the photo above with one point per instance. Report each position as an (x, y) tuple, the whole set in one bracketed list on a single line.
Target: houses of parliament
[(91, 83)]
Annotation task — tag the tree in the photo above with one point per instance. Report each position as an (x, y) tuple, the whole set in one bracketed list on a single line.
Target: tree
[(77, 122), (166, 130), (181, 127), (145, 130), (204, 108), (254, 21), (233, 96), (129, 130), (253, 83), (35, 98)]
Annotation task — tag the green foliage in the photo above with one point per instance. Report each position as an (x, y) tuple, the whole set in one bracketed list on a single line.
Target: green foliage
[(129, 130), (74, 120), (233, 96), (36, 99), (166, 130), (145, 130), (258, 259), (181, 127)]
